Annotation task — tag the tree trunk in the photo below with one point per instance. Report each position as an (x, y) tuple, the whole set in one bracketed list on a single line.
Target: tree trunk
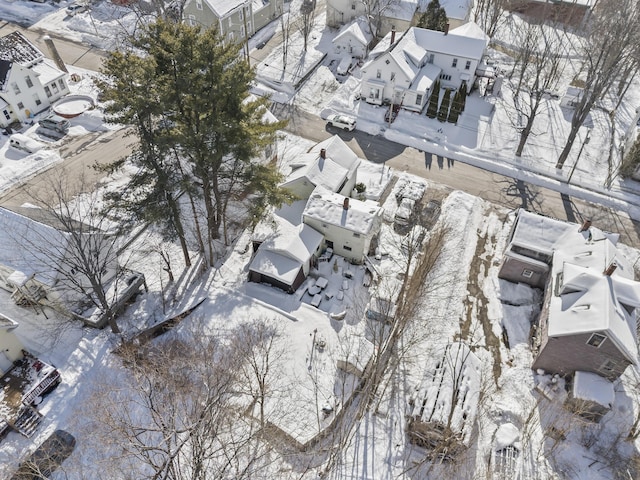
[(564, 155), (177, 223)]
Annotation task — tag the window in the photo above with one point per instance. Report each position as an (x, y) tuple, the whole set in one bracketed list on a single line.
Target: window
[(353, 6), (37, 99), (242, 30), (419, 99), (54, 87), (348, 249), (21, 105), (357, 235), (28, 81), (467, 65), (454, 64), (62, 84), (431, 57), (199, 4), (6, 114), (444, 76), (596, 339), (387, 61), (240, 14), (526, 273), (378, 73), (192, 20), (16, 88), (608, 366), (324, 225), (393, 76), (230, 23), (231, 36), (374, 93), (47, 90), (248, 26)]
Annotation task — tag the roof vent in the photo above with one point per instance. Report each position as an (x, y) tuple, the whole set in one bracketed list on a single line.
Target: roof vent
[(323, 153)]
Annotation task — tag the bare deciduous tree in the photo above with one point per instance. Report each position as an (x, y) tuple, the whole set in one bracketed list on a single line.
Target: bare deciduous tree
[(608, 47)]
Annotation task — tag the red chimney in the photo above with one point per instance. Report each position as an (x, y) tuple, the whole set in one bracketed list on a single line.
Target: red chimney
[(345, 204), (393, 35), (323, 153), (585, 225), (610, 269), (446, 28)]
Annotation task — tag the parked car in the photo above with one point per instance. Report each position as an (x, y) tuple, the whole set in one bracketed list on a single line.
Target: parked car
[(47, 457), (342, 121), (76, 7), (24, 143), (404, 214), (55, 122)]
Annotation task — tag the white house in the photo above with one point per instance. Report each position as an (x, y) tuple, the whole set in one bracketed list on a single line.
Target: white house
[(10, 346), (398, 14), (350, 227), (285, 258), (353, 39), (330, 164), (29, 82), (405, 73)]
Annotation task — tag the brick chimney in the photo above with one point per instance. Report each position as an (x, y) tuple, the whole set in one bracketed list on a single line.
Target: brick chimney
[(585, 225), (610, 269), (323, 153), (446, 28), (393, 35), (345, 204)]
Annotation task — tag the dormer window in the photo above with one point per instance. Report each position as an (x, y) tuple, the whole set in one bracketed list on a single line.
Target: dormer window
[(596, 339)]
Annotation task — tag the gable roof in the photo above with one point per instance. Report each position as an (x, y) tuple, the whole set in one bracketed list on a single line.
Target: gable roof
[(358, 29), (590, 301), (456, 45), (222, 7), (471, 30), (28, 245), (16, 48), (283, 254), (328, 207)]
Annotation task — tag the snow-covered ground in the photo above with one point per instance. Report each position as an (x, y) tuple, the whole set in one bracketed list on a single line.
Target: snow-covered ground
[(511, 411)]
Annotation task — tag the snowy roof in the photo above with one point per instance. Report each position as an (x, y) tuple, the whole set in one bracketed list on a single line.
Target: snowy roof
[(590, 301), (16, 48), (383, 45), (471, 30), (458, 9), (454, 374), (590, 386), (281, 255), (223, 7), (401, 9), (319, 171), (425, 78), (457, 45), (28, 245), (328, 207), (339, 152), (358, 28), (47, 72)]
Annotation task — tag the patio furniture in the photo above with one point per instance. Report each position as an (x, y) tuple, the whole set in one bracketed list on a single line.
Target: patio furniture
[(322, 283)]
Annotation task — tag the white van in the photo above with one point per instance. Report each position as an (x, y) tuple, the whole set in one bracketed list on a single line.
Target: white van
[(24, 143)]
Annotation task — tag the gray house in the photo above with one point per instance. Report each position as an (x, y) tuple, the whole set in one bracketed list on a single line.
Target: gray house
[(587, 322), (235, 19)]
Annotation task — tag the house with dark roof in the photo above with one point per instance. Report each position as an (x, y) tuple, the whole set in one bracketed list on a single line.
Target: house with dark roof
[(588, 317), (29, 82)]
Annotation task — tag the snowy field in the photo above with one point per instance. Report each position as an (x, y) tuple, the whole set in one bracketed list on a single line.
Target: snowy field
[(511, 412)]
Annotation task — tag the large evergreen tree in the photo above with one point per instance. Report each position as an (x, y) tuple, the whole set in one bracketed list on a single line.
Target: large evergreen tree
[(215, 132), (432, 108), (443, 113), (434, 17)]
